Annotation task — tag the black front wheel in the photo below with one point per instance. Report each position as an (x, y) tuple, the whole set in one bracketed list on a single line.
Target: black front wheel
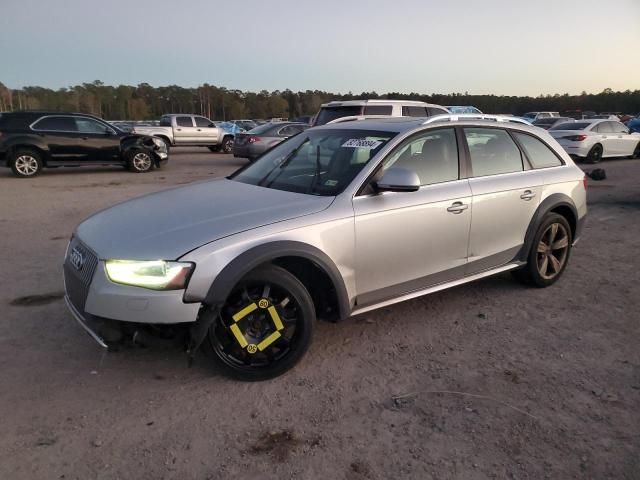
[(265, 326), (139, 161), (636, 152)]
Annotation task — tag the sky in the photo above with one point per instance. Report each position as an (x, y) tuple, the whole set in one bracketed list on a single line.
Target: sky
[(504, 47)]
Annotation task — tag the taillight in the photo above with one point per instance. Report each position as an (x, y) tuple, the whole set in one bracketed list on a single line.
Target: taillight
[(576, 138), (253, 139), (584, 182)]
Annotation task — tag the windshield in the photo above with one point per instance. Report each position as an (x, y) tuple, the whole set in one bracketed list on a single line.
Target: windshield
[(316, 162), (530, 115), (570, 126), (328, 114)]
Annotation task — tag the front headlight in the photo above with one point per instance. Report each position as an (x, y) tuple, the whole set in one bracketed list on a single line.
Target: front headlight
[(155, 274)]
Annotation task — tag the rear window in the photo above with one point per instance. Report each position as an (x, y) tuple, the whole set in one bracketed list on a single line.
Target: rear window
[(262, 129), (328, 114), (165, 122), (571, 126)]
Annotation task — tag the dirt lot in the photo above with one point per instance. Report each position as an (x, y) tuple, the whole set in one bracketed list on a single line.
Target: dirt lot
[(488, 380)]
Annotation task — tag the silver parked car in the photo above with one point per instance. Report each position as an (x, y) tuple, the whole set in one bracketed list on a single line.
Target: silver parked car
[(593, 140), (334, 222), (255, 142)]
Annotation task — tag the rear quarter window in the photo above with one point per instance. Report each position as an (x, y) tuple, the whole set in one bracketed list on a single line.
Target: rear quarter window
[(539, 154)]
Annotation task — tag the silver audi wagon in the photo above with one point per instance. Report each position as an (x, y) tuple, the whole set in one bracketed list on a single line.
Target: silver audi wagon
[(336, 221)]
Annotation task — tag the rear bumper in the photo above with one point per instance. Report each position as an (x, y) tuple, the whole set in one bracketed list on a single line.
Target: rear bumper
[(575, 149)]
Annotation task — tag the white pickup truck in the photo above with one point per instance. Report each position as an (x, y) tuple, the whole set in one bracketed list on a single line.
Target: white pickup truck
[(182, 130)]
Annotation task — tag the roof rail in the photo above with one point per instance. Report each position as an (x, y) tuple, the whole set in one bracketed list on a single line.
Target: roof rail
[(354, 118), (473, 116)]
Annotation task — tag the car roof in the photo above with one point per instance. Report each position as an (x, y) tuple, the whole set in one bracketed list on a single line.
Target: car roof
[(355, 103), (403, 124)]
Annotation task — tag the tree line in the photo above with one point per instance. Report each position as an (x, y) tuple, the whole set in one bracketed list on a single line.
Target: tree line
[(144, 102)]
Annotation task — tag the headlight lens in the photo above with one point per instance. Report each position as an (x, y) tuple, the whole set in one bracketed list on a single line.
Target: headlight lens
[(155, 274)]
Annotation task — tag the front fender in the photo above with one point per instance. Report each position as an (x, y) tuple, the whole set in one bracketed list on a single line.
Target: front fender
[(252, 258)]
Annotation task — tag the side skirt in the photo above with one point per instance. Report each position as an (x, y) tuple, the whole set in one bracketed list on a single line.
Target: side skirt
[(436, 288)]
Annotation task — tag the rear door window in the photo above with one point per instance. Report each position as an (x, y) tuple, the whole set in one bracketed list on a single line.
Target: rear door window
[(492, 152), (89, 125), (184, 122), (55, 124), (540, 155), (378, 110), (411, 111)]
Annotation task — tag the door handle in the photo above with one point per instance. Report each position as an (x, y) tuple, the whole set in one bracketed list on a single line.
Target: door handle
[(527, 195), (179, 129), (85, 138), (457, 207), (199, 130)]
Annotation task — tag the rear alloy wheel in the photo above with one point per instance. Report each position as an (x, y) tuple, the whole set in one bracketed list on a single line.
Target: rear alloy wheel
[(594, 155), (265, 326), (26, 163), (140, 161), (227, 145), (549, 252)]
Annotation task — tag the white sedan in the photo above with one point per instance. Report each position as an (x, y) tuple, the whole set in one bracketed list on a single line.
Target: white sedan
[(593, 140)]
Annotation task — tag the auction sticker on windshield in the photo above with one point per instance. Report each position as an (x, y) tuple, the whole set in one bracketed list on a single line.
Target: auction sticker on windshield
[(362, 143)]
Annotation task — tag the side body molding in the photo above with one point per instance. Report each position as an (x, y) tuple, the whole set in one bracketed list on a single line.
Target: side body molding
[(247, 261)]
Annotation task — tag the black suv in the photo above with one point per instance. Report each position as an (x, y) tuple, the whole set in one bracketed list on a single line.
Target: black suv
[(30, 141)]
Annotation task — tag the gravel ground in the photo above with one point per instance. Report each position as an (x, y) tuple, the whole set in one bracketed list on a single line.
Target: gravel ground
[(487, 380)]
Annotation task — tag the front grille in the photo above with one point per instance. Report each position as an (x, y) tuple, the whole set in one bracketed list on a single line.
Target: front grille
[(79, 267)]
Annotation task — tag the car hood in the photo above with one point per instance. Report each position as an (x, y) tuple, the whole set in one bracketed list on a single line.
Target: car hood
[(168, 224)]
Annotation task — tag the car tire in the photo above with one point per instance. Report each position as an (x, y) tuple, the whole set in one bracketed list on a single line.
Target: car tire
[(636, 151), (595, 154), (227, 145), (248, 340), (139, 161), (26, 163), (549, 254)]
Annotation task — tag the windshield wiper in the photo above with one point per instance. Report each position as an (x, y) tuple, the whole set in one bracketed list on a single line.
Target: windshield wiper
[(281, 166), (318, 171)]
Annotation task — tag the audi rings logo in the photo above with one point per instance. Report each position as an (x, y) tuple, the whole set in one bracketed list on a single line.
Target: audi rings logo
[(76, 257)]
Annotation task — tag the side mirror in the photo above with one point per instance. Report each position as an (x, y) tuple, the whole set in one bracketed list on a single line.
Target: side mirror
[(398, 179)]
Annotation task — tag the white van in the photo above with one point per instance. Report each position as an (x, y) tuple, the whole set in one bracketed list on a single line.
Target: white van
[(395, 108)]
